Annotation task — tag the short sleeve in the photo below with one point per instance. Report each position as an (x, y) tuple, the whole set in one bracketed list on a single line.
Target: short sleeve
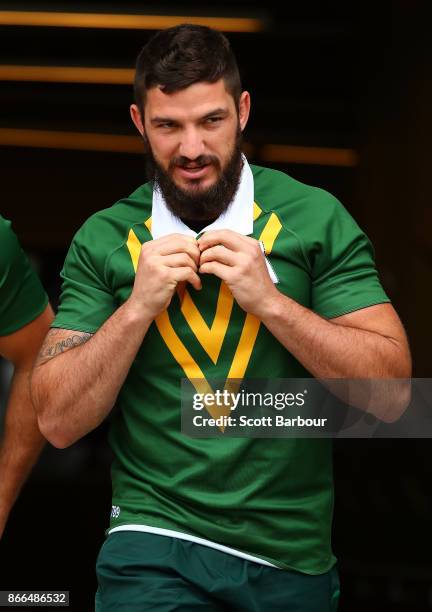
[(22, 297), (345, 278), (86, 300)]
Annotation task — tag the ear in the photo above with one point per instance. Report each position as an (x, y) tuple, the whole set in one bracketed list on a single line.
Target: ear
[(244, 109), (136, 118)]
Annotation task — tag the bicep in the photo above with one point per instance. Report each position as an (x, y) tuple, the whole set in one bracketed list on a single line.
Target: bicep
[(22, 346)]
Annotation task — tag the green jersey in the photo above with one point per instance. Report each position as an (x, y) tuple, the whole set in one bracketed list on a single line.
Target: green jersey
[(22, 297), (265, 499)]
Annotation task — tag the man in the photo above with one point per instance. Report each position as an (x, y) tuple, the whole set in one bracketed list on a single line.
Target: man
[(25, 318), (219, 523)]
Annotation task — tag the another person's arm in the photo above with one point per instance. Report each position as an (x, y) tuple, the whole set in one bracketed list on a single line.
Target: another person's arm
[(21, 441), (25, 317)]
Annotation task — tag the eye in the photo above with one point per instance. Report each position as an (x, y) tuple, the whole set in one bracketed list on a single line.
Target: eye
[(166, 125), (213, 120)]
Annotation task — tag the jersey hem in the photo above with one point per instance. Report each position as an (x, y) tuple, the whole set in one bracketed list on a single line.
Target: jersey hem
[(186, 536), (73, 327), (226, 549), (340, 313), (25, 321)]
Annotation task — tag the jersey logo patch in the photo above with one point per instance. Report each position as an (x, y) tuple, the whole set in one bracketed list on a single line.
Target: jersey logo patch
[(115, 511)]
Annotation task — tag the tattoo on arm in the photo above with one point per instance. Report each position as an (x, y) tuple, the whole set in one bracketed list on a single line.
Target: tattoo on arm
[(51, 348)]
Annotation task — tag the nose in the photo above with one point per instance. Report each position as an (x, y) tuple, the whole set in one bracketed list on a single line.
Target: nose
[(191, 145)]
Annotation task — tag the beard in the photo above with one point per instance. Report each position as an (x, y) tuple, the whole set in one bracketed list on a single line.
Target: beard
[(196, 203)]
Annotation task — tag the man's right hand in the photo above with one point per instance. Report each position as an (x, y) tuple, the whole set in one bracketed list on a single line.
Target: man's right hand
[(162, 264), (74, 392)]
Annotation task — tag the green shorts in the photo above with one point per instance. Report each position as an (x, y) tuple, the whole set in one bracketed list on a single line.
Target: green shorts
[(139, 571)]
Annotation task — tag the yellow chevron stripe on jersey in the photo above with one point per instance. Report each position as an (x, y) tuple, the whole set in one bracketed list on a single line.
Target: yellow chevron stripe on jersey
[(270, 233), (148, 224), (245, 346), (211, 339), (171, 339), (189, 365), (256, 211), (134, 246)]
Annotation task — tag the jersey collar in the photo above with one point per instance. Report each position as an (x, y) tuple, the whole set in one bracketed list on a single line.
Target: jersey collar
[(238, 216)]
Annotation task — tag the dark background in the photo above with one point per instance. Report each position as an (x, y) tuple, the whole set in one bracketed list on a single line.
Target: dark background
[(353, 79)]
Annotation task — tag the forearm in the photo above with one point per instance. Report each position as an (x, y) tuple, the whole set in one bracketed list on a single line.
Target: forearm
[(74, 391), (331, 350), (21, 443)]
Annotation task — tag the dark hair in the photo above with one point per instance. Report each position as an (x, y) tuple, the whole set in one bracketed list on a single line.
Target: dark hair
[(183, 55)]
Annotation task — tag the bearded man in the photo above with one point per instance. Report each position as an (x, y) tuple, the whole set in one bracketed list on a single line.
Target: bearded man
[(172, 283)]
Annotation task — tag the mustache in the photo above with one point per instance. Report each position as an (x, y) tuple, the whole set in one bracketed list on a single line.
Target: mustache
[(201, 160)]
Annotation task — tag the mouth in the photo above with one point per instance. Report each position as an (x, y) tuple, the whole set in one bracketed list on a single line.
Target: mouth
[(193, 172)]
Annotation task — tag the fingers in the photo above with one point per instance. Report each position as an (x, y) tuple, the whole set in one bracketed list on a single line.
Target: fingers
[(179, 260), (229, 239), (216, 268), (186, 274), (218, 253), (173, 243)]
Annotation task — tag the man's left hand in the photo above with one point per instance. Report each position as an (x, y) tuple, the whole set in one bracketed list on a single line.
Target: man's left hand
[(239, 261)]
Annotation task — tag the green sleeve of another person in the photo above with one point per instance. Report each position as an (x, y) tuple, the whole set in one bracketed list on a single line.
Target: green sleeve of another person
[(22, 297)]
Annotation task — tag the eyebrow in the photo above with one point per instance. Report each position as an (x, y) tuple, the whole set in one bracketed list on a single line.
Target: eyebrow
[(218, 111)]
